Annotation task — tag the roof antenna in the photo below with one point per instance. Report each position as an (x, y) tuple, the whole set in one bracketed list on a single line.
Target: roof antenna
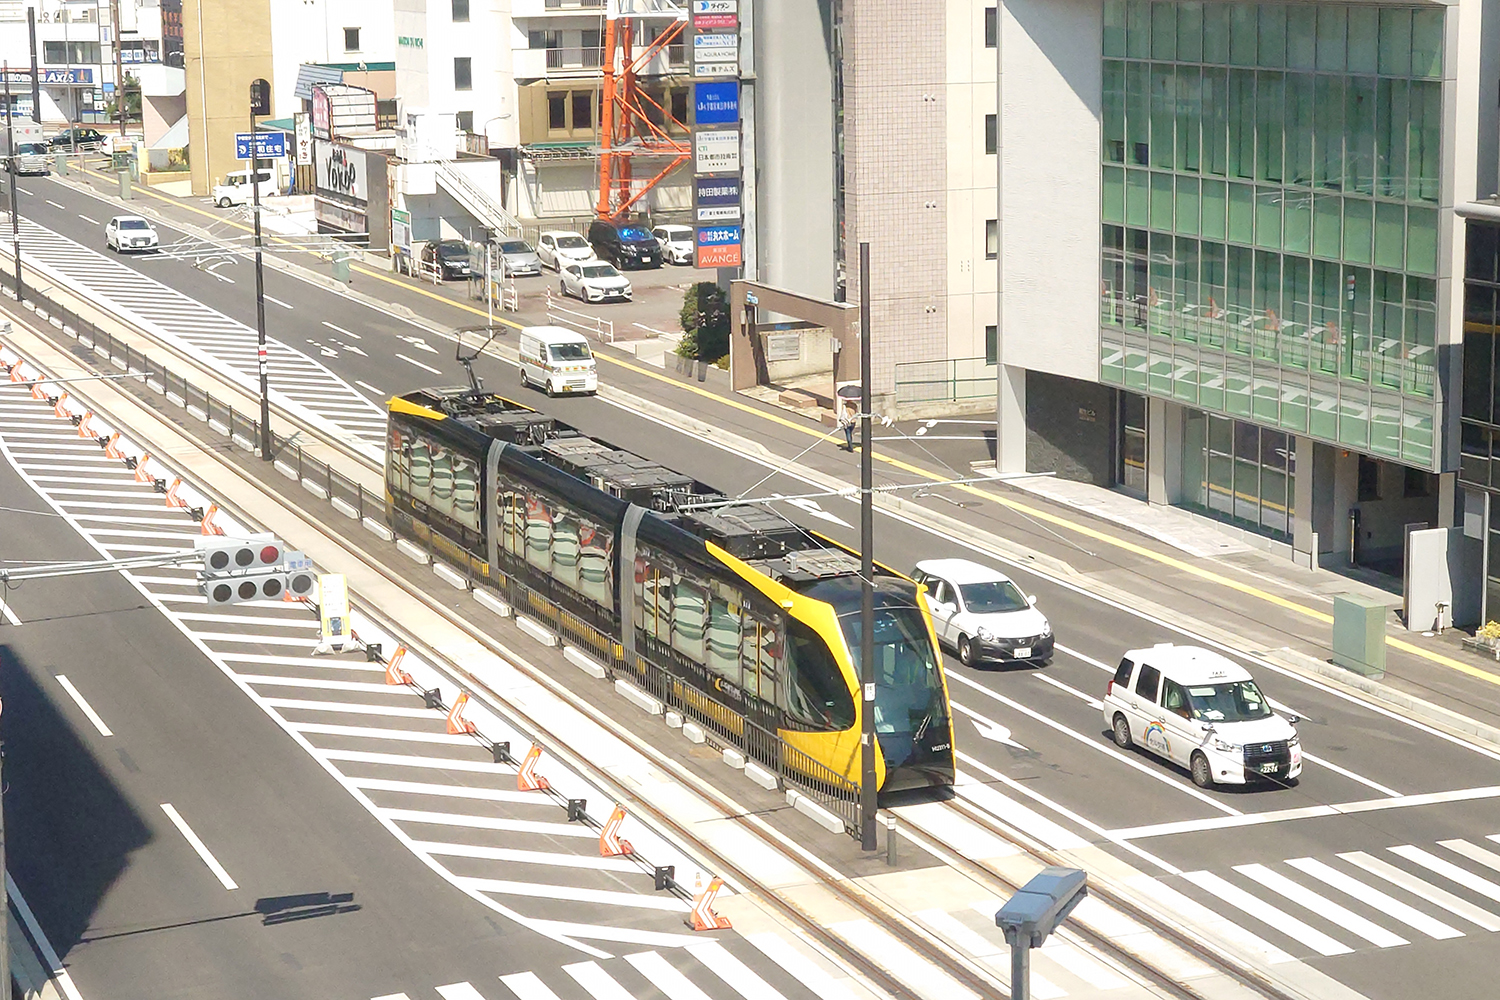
[(476, 383)]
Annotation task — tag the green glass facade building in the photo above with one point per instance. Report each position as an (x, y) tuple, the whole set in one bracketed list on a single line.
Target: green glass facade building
[(1271, 182)]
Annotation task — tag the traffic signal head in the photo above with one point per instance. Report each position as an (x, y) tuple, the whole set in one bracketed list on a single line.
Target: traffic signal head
[(242, 569)]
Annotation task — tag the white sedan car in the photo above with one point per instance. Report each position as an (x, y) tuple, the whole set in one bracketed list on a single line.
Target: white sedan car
[(981, 614), (595, 281), (558, 248), (130, 232), (676, 243)]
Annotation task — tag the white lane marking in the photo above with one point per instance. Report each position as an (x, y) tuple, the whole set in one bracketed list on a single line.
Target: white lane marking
[(989, 728), (419, 343), (1105, 748), (459, 991), (339, 329), (1322, 906), (268, 640), (1449, 870), (272, 298), (1192, 912), (352, 708), (986, 798), (221, 277), (601, 932), (405, 760), (1385, 903), (1232, 894), (368, 732), (1351, 775), (1222, 822), (1455, 905), (915, 972), (492, 823), (1084, 657), (664, 977), (374, 389), (419, 364), (49, 954), (83, 705), (25, 192), (448, 791), (526, 986), (392, 996), (525, 857), (199, 846), (1082, 964), (9, 615), (598, 982), (803, 969), (296, 619), (607, 897), (85, 218), (53, 203), (1086, 698), (1473, 852), (271, 680), (352, 349)]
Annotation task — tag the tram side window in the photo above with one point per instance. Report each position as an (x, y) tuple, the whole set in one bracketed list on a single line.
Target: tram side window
[(398, 448), (653, 587), (816, 691), (421, 470), (442, 480), (595, 551), (564, 547), (538, 533), (688, 619), (466, 492), (513, 523), (759, 652), (724, 636)]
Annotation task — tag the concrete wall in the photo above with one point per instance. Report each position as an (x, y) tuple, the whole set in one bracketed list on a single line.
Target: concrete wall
[(227, 46), (1050, 92), (159, 114), (1070, 428), (424, 73), (971, 280), (794, 161), (314, 33)]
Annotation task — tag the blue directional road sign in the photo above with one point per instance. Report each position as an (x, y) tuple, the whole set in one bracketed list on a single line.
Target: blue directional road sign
[(268, 145)]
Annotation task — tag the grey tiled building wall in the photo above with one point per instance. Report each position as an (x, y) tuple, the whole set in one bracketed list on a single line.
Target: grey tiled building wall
[(895, 175)]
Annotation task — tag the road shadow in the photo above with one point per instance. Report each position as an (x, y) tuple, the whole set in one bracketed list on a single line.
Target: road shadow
[(69, 833)]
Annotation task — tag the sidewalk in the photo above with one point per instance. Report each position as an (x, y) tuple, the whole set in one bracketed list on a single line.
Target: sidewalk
[(1194, 572)]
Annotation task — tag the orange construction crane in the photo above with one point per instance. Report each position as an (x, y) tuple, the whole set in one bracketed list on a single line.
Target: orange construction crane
[(627, 129)]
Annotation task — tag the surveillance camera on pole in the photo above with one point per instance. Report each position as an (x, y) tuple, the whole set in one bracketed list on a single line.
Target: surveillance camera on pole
[(236, 570), (1034, 912)]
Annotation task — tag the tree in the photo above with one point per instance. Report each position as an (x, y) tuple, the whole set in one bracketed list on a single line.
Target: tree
[(705, 322)]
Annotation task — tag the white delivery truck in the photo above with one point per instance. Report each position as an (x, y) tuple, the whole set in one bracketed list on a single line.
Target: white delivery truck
[(26, 143), (558, 360)]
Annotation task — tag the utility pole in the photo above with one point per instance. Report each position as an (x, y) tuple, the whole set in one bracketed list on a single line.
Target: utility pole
[(36, 80), (15, 218), (260, 103), (114, 16), (867, 790)]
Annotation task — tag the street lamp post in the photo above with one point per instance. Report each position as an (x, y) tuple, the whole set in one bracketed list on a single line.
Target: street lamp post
[(260, 104), (867, 791), (10, 168)]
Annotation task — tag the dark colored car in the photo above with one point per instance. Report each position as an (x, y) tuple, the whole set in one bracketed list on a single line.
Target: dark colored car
[(450, 256), (625, 245), (77, 137)]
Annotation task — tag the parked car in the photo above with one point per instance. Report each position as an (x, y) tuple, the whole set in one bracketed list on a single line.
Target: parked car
[(520, 259), (982, 614), (1203, 711), (676, 243), (130, 232), (624, 245), (31, 158), (236, 189), (595, 281), (557, 247), (77, 138), (450, 257)]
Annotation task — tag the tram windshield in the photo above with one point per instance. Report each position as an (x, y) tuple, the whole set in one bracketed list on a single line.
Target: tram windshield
[(908, 685)]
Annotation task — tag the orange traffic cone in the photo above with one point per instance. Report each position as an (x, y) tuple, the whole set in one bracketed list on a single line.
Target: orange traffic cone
[(704, 917), (393, 672), (456, 721), (37, 392), (610, 842), (112, 446), (142, 474), (58, 407), (83, 425), (527, 780), (172, 499), (207, 526)]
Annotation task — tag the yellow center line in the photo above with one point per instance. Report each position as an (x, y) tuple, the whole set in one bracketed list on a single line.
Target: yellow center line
[(895, 463)]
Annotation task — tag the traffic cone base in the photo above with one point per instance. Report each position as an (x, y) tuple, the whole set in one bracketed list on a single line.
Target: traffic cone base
[(610, 842), (527, 780), (456, 721), (393, 672), (704, 917)]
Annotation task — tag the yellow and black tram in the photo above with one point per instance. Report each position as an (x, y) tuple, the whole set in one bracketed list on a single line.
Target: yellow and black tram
[(746, 620)]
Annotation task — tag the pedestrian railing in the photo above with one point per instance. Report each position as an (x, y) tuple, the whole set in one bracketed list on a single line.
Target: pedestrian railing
[(949, 380), (602, 330)]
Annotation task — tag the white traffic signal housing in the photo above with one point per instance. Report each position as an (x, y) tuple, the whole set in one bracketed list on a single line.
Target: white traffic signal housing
[(242, 569)]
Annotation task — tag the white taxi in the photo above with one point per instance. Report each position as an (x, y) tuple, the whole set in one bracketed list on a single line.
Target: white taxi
[(1203, 711)]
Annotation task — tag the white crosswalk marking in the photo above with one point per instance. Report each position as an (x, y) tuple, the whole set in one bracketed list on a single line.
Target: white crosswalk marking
[(561, 829), (1193, 912), (1455, 905), (607, 897), (392, 996), (526, 986), (666, 978), (779, 950), (1449, 870), (598, 982), (1473, 852), (1081, 964), (948, 928), (1409, 915), (1325, 908), (734, 972), (459, 991), (1238, 898)]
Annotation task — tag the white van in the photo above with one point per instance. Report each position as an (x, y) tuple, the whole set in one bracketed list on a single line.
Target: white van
[(1202, 711), (236, 188), (558, 360)]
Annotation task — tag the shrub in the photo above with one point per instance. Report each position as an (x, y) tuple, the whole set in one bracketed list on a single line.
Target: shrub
[(705, 322)]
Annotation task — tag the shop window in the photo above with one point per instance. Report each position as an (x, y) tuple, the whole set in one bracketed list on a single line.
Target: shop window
[(1369, 479)]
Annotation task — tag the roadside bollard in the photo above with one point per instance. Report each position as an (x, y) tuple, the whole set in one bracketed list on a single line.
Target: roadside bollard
[(890, 839)]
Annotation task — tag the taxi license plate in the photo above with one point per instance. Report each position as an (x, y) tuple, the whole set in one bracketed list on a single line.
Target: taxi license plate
[(1269, 768), (1022, 652)]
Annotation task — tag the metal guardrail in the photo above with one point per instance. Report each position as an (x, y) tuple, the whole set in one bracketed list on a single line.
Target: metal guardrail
[(949, 380), (726, 728), (602, 330)]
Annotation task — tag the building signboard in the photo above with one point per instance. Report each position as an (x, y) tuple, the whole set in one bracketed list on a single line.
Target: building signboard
[(302, 125), (717, 151), (322, 114), (268, 145), (718, 246), (341, 173), (400, 231), (716, 103), (716, 199)]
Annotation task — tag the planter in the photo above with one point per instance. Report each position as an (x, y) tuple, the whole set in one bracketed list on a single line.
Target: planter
[(1483, 646)]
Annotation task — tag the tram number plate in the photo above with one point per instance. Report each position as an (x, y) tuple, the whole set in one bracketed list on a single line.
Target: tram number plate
[(1022, 652), (1269, 768)]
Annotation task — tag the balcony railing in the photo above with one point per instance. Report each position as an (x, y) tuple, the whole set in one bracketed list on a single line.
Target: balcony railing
[(591, 57)]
